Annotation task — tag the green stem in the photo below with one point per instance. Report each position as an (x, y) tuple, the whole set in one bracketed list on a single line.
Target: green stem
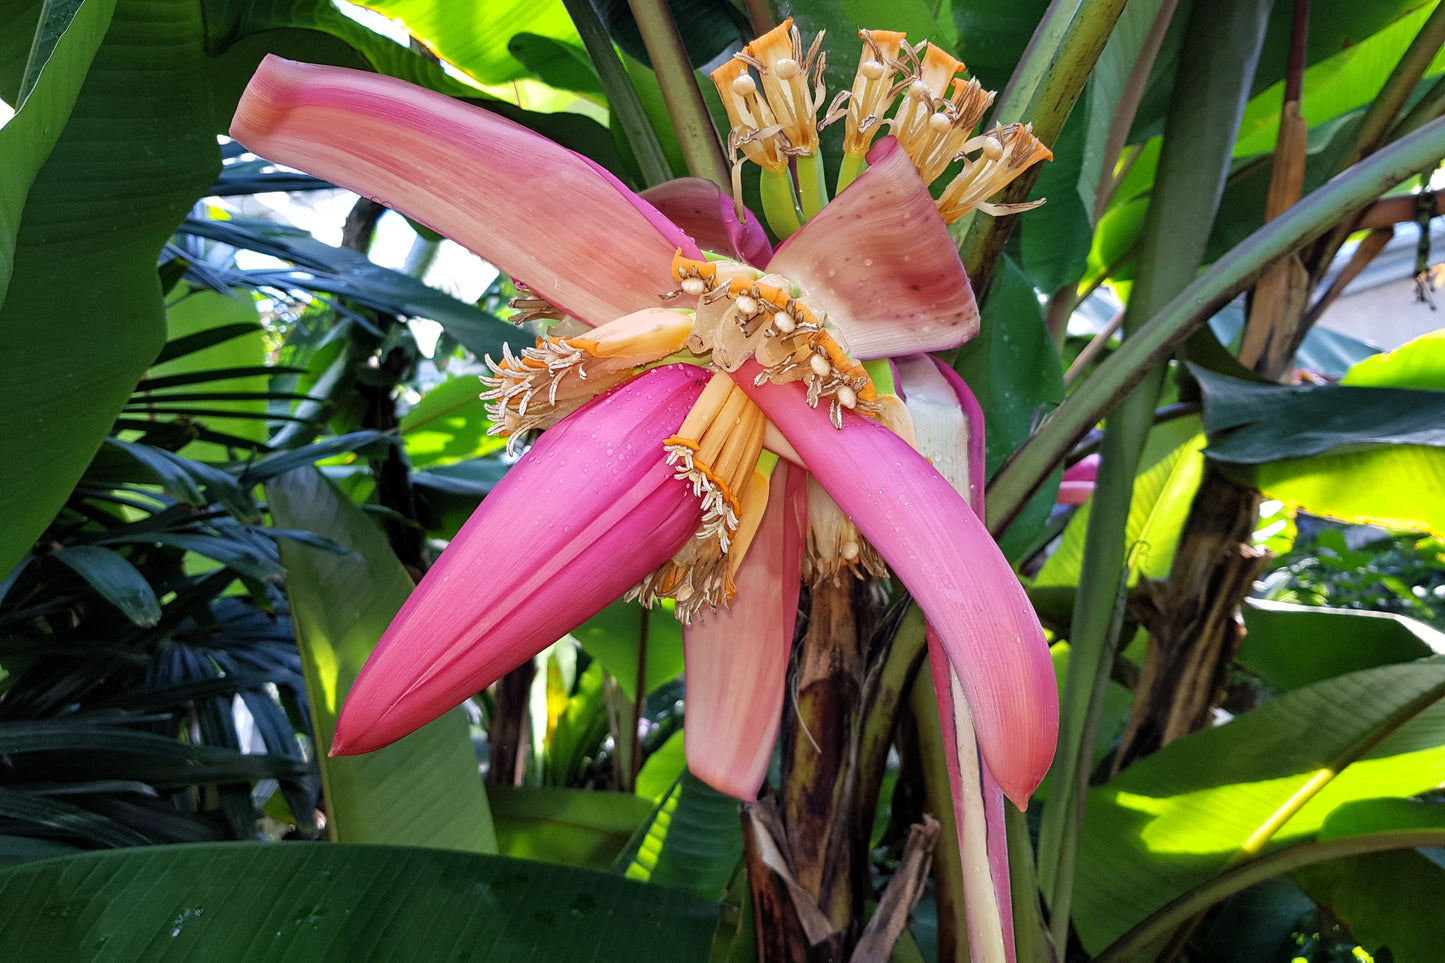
[(780, 210), (1211, 89), (848, 171), (1427, 108), (690, 119), (621, 95), (1031, 936), (1387, 104), (1182, 909), (1048, 80), (812, 189), (1185, 313)]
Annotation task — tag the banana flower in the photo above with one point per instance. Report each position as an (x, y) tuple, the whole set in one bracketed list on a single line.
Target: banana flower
[(664, 383)]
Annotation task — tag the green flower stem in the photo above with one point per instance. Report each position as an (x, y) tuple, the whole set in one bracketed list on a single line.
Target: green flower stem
[(1153, 342), (812, 188), (621, 95), (1204, 115), (1182, 909), (1380, 115), (695, 132), (780, 210), (1031, 934), (848, 171), (1048, 80)]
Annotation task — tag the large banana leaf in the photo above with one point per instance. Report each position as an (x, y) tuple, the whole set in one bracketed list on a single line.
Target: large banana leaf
[(424, 790), (256, 902), (1168, 476), (1399, 485), (1293, 645), (82, 316), (1179, 817)]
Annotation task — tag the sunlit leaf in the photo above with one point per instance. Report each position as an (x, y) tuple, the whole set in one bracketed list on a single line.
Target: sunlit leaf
[(476, 39), (574, 827), (194, 316), (693, 842), (1397, 485), (613, 636), (1294, 645), (1175, 819), (1169, 473), (449, 424)]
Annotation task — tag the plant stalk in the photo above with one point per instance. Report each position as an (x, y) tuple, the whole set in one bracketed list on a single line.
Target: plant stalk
[(1042, 91), (695, 133), (622, 97)]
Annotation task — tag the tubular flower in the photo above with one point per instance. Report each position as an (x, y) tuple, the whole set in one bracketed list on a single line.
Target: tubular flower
[(872, 92), (717, 364)]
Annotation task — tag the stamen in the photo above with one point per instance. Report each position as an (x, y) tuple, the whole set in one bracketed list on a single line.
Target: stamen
[(872, 93), (1005, 153), (835, 545), (530, 306), (934, 128), (603, 357), (714, 451), (782, 121)]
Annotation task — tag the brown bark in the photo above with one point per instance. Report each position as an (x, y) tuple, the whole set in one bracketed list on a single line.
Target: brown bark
[(788, 924), (820, 741), (1193, 618), (507, 734), (808, 848)]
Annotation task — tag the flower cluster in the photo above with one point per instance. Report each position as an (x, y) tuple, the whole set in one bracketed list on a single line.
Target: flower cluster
[(934, 112), (718, 418)]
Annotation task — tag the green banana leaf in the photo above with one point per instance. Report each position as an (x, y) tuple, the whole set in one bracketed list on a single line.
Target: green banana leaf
[(254, 902), (424, 790)]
